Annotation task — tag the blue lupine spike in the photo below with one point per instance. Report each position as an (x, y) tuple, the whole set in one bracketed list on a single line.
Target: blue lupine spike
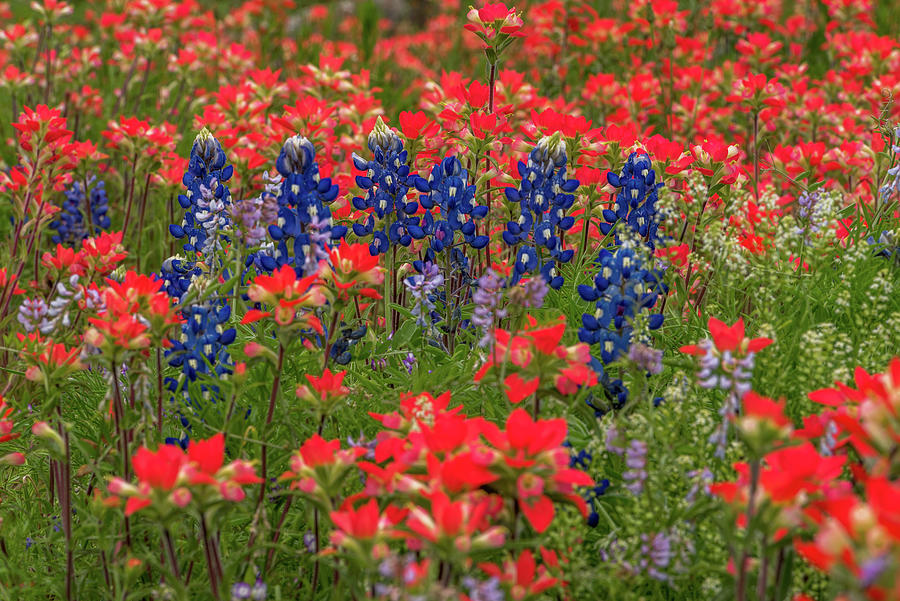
[(71, 224), (305, 227), (544, 197), (635, 200)]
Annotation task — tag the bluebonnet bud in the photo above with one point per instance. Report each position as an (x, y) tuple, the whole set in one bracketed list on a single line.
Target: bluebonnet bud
[(386, 182), (544, 196)]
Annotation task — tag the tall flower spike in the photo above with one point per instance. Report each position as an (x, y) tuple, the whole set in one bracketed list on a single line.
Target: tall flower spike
[(206, 170), (623, 288), (386, 182), (544, 195), (636, 200), (70, 225), (305, 229), (447, 190)]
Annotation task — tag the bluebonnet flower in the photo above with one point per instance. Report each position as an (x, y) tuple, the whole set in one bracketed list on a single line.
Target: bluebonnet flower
[(487, 297), (623, 288), (305, 227), (386, 182), (259, 592), (702, 481), (872, 569), (636, 200), (806, 210), (613, 391), (204, 338), (887, 246), (422, 287), (363, 443), (36, 314), (70, 224), (177, 274), (582, 460), (544, 195), (447, 190), (340, 348), (202, 349), (206, 169), (240, 591), (212, 216), (309, 541), (829, 440)]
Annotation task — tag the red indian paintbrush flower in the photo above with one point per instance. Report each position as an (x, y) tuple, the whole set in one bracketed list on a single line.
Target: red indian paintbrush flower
[(729, 339), (286, 294), (169, 477), (326, 390), (354, 271), (523, 578)]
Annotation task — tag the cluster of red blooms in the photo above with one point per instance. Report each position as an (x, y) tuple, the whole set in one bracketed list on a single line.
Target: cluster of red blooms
[(536, 362), (170, 478), (133, 314), (99, 256), (452, 484), (836, 499)]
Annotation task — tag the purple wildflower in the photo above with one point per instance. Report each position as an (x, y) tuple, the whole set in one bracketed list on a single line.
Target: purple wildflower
[(487, 299), (240, 591), (246, 216), (31, 313), (487, 590), (728, 373), (636, 461), (421, 286), (409, 362), (647, 358)]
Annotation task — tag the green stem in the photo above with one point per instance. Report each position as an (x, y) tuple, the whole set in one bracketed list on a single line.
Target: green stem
[(273, 397)]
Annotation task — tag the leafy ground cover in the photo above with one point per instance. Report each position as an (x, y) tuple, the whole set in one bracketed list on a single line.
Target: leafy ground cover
[(420, 301)]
